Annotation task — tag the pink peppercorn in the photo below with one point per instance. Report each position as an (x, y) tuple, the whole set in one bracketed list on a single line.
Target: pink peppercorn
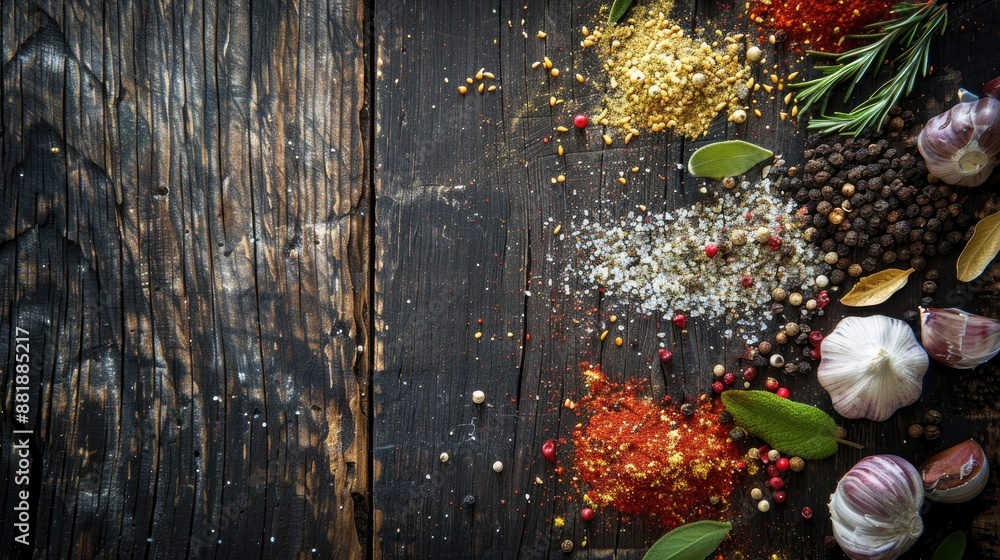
[(587, 514), (665, 355), (711, 249), (581, 121), (815, 354), (746, 281), (780, 497), (718, 387), (774, 243), (549, 451), (772, 471), (680, 321), (750, 373), (729, 378), (782, 464), (776, 483), (771, 384), (815, 338), (807, 512), (783, 392)]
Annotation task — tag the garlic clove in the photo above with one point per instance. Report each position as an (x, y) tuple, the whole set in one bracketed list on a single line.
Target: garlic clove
[(957, 474), (958, 339), (875, 509), (962, 145), (871, 366)]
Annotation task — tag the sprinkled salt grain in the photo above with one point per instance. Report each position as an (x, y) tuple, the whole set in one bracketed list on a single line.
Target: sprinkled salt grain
[(658, 261)]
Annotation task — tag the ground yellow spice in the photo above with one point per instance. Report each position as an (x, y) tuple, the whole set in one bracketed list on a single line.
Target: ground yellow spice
[(663, 79)]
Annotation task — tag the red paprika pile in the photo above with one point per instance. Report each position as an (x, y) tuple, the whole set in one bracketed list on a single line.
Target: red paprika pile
[(819, 25), (646, 459)]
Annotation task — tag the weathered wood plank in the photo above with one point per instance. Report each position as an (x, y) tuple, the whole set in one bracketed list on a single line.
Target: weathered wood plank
[(184, 216)]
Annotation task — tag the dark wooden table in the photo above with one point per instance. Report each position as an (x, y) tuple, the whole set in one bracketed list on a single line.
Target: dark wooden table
[(253, 246)]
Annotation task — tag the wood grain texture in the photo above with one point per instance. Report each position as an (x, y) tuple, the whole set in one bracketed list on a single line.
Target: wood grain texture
[(184, 224), (471, 287)]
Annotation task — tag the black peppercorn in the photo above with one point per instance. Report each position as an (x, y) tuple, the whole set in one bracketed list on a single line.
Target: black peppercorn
[(687, 409), (932, 417), (469, 500), (915, 430), (725, 417), (737, 434), (837, 277), (932, 432), (804, 368), (932, 274), (869, 264), (929, 287), (567, 546), (911, 315)]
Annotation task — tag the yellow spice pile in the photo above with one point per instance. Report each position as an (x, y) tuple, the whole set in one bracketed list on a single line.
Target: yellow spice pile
[(663, 79)]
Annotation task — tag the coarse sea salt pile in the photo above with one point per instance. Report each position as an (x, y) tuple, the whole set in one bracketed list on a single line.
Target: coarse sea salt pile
[(659, 262)]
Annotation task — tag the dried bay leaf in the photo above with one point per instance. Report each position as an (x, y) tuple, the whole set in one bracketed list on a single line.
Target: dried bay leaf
[(951, 548), (980, 250), (876, 288), (693, 541), (726, 159), (790, 427), (618, 9)]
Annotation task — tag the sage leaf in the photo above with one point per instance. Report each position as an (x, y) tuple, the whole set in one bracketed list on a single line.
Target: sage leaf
[(618, 9), (693, 541), (876, 288), (725, 159), (980, 250), (790, 427), (951, 548)]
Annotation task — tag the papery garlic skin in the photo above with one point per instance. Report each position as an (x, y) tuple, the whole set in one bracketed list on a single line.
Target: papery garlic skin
[(958, 339), (876, 508), (871, 366), (962, 145), (957, 474)]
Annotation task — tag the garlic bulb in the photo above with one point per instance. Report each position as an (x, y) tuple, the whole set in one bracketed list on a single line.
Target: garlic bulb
[(876, 508), (957, 474), (871, 366), (962, 145), (958, 339)]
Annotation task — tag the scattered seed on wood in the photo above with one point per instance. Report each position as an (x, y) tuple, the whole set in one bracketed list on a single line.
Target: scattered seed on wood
[(562, 129), (622, 180), (757, 112), (619, 341), (489, 75), (491, 88), (557, 229), (479, 75), (478, 397), (547, 62), (463, 90), (542, 35), (561, 178), (607, 140), (536, 64), (580, 78), (560, 150), (604, 335), (788, 98), (554, 72), (792, 76), (470, 81), (481, 88)]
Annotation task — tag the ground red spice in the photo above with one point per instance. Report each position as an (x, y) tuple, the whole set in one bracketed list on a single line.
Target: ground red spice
[(648, 459), (819, 25)]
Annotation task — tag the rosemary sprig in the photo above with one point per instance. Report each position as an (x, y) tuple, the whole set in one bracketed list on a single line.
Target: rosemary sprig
[(911, 30)]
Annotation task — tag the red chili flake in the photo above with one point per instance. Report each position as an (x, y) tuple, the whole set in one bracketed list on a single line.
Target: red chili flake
[(549, 451), (645, 459), (711, 249), (680, 321), (665, 355), (817, 25), (580, 121), (762, 453)]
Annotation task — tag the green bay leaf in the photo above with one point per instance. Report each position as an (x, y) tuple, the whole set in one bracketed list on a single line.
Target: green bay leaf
[(951, 548), (876, 288), (618, 9), (981, 248), (725, 159), (790, 427), (693, 541)]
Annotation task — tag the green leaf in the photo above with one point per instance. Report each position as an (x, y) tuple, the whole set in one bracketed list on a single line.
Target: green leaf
[(951, 548), (725, 159), (981, 248), (693, 541), (618, 9), (790, 427)]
